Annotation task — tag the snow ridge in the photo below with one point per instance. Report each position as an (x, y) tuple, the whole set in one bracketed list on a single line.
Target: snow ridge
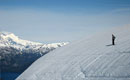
[(93, 58)]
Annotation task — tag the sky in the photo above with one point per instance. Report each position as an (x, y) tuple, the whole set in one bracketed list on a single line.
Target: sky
[(49, 21)]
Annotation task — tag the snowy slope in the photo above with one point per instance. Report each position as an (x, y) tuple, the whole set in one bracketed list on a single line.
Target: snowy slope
[(93, 58)]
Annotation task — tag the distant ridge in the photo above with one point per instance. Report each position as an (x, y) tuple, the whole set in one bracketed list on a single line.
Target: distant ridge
[(17, 54), (8, 39)]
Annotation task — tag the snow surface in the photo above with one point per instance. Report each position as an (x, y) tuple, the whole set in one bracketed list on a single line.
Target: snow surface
[(92, 58)]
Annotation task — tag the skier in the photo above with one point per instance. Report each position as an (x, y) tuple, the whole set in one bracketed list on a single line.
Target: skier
[(113, 39)]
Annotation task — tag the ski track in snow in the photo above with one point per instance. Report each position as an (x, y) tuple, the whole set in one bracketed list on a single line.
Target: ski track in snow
[(86, 59)]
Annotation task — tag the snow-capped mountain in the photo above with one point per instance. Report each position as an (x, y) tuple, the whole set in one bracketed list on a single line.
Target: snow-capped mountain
[(92, 58), (8, 39), (17, 54)]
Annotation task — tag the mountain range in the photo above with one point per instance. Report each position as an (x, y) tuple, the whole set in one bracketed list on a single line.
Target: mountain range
[(17, 54)]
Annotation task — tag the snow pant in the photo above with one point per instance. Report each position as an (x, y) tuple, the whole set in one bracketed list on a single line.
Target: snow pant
[(113, 41)]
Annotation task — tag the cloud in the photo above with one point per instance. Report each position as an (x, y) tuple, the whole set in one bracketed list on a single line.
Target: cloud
[(121, 11)]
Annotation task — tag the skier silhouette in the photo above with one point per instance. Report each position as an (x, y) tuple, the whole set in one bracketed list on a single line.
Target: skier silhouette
[(113, 39)]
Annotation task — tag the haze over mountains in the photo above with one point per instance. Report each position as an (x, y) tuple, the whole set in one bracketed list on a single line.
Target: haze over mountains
[(92, 58), (17, 54)]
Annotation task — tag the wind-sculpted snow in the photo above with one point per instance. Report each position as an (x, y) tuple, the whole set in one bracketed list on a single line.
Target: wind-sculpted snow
[(93, 58)]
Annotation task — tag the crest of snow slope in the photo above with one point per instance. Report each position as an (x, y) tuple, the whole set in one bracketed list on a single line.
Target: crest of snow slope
[(93, 58), (8, 39)]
